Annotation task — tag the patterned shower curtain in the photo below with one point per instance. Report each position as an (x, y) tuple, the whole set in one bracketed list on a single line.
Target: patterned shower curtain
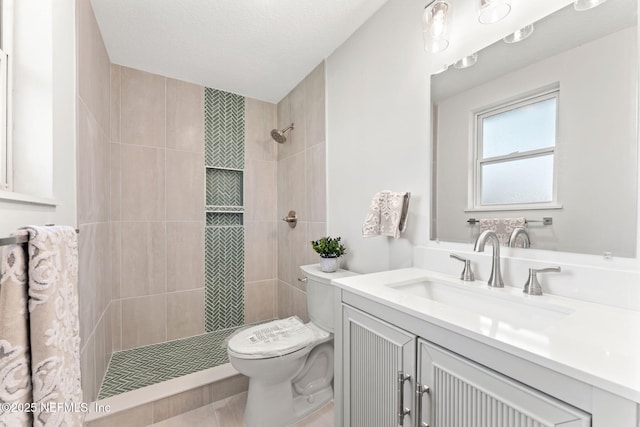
[(39, 330)]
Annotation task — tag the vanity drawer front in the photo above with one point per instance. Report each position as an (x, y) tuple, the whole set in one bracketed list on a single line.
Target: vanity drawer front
[(463, 393)]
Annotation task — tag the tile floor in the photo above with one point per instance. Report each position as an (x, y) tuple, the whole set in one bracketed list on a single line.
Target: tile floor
[(142, 366), (228, 413)]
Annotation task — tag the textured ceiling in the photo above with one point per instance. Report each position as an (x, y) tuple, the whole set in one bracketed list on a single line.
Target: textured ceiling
[(256, 48)]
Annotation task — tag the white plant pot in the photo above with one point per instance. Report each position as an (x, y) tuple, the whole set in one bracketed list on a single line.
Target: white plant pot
[(328, 265)]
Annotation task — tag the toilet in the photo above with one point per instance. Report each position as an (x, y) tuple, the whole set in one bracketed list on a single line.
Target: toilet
[(289, 363)]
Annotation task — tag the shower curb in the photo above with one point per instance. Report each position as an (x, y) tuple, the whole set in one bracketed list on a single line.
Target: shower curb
[(158, 402)]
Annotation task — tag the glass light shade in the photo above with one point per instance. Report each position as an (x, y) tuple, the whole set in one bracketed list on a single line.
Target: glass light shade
[(492, 11), (581, 5), (436, 26), (519, 35), (466, 62)]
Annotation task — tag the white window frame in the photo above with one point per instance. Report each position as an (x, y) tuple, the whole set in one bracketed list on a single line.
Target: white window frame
[(479, 161), (6, 31)]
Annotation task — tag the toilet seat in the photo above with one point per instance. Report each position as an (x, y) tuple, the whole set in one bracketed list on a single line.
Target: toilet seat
[(275, 338)]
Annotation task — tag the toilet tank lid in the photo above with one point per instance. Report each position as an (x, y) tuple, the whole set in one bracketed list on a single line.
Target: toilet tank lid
[(313, 271), (274, 338)]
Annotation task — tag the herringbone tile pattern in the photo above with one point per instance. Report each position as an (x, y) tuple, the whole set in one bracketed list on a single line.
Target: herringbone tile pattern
[(142, 366), (224, 235), (224, 187), (224, 277), (224, 218), (224, 129)]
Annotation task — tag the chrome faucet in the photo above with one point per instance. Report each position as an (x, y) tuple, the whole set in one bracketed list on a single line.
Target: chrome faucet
[(519, 231), (495, 279)]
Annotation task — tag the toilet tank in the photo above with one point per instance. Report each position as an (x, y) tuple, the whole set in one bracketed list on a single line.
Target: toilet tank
[(320, 299)]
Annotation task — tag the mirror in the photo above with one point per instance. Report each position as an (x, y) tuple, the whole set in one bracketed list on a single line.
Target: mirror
[(591, 59)]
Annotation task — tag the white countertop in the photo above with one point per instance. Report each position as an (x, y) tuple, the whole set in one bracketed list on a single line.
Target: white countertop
[(596, 344)]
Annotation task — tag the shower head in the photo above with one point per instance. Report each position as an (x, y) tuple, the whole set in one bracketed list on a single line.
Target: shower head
[(278, 135)]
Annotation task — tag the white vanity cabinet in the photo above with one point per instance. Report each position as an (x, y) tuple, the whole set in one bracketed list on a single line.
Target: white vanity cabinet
[(458, 392), (377, 358), (386, 359)]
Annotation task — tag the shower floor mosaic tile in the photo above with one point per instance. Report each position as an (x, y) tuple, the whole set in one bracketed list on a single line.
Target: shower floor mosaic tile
[(142, 366)]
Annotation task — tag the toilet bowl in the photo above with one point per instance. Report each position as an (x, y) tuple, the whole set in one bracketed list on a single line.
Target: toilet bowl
[(289, 363)]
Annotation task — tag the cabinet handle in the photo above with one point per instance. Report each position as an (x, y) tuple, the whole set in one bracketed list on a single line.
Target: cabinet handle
[(420, 390), (402, 411)]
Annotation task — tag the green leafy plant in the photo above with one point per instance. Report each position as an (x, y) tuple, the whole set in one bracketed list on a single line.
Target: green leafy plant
[(328, 247)]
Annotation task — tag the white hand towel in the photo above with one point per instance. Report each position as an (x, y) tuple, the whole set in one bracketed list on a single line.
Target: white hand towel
[(387, 215), (503, 227)]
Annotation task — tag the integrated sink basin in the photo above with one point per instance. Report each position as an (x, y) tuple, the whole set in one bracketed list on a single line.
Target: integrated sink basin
[(506, 305)]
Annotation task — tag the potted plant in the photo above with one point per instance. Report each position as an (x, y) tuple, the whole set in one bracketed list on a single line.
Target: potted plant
[(330, 250)]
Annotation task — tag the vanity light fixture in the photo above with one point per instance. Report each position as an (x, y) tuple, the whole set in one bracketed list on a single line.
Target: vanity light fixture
[(492, 11), (466, 62), (519, 35), (435, 26), (581, 5)]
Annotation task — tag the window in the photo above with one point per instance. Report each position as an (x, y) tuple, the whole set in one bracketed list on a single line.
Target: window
[(515, 154), (5, 38)]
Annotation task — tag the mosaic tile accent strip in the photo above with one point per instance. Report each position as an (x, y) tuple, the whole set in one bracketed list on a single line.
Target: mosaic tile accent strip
[(142, 366), (223, 129), (224, 187), (223, 219), (224, 277)]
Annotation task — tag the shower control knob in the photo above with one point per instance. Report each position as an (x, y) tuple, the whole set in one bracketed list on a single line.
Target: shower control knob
[(291, 219)]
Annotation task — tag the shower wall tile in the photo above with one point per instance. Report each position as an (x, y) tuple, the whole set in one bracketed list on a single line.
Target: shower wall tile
[(316, 187), (185, 185), (260, 301), (88, 370), (144, 320), (115, 103), (93, 64), (102, 252), (116, 325), (143, 259), (142, 115), (93, 169), (100, 349), (143, 183), (285, 264), (301, 186), (116, 259), (260, 118), (87, 280), (93, 197), (294, 113), (116, 173), (185, 313), (291, 186), (260, 195), (291, 302), (315, 115), (185, 103), (185, 256), (224, 116), (260, 250), (224, 271)]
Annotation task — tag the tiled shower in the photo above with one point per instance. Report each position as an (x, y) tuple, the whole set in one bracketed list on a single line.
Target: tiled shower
[(148, 224)]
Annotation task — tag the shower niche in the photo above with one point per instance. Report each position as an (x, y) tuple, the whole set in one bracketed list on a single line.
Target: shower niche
[(224, 210)]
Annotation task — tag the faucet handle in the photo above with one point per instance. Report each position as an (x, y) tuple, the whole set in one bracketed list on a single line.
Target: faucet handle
[(467, 272), (532, 287)]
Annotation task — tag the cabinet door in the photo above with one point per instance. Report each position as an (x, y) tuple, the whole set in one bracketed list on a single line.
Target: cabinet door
[(463, 393), (379, 371)]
